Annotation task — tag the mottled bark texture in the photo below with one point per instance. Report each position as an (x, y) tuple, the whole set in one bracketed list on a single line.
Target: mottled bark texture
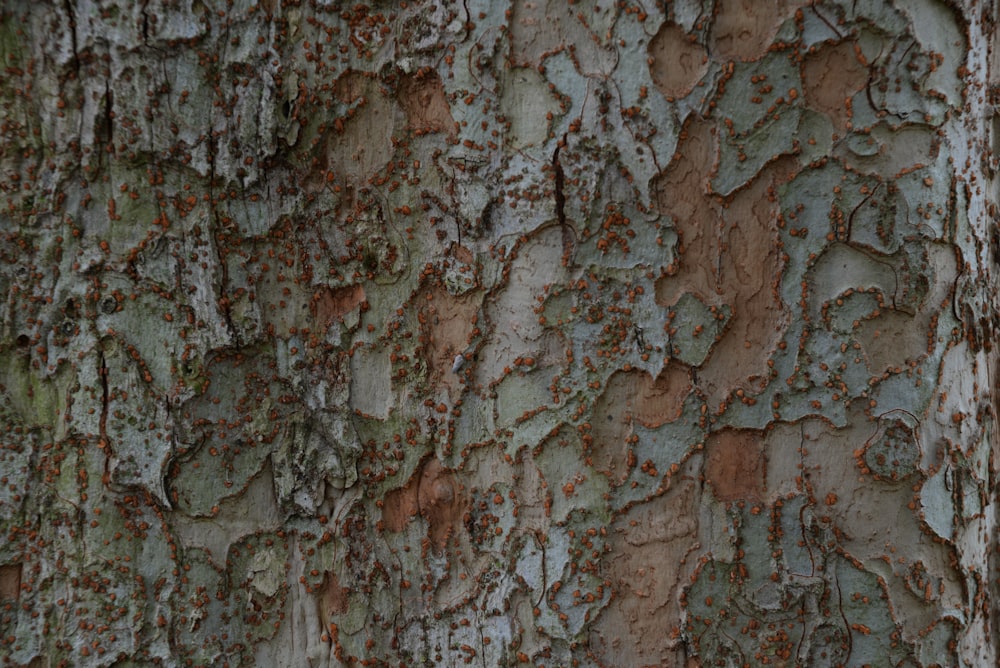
[(446, 333)]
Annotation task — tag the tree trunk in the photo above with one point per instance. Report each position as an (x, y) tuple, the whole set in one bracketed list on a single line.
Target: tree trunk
[(420, 333)]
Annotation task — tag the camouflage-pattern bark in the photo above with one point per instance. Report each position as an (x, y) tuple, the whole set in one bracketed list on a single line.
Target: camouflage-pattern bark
[(428, 333)]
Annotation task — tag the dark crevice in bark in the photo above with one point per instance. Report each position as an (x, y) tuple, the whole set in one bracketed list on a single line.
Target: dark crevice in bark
[(145, 23), (108, 124), (568, 234), (219, 231), (105, 442), (68, 4)]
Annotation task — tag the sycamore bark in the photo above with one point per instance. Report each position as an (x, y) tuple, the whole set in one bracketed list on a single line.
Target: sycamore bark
[(446, 333)]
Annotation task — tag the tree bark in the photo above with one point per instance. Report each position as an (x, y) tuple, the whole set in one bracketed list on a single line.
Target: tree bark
[(430, 333)]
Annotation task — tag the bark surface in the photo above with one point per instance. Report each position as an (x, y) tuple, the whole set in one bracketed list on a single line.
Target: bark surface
[(436, 333)]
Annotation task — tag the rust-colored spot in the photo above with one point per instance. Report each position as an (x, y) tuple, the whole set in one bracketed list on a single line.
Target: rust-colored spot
[(735, 464), (678, 62), (10, 582), (424, 102), (831, 76), (329, 305)]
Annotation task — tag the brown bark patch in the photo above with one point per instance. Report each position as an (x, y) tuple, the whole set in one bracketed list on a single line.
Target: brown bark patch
[(611, 425), (434, 494), (744, 29), (10, 582), (750, 278), (464, 255), (422, 98), (646, 567), (330, 305), (448, 323), (683, 195), (661, 400), (734, 464), (333, 598), (400, 505), (351, 86), (439, 497), (632, 395), (683, 185), (541, 28), (678, 61), (728, 254), (361, 143), (831, 75), (535, 30)]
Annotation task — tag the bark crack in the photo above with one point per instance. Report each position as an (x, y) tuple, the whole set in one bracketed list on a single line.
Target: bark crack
[(104, 442), (568, 235)]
